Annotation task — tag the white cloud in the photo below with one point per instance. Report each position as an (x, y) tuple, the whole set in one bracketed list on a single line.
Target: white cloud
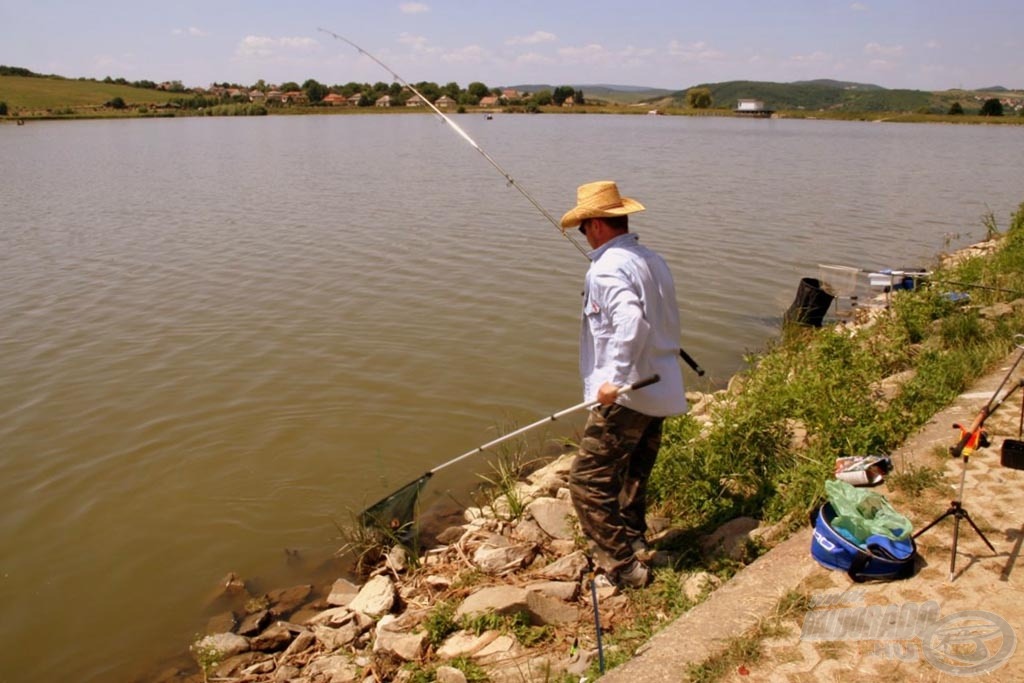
[(191, 31), (818, 57), (471, 54), (878, 50), (532, 39), (528, 58), (695, 52), (418, 43), (586, 54), (859, 7), (265, 46), (413, 8), (933, 45)]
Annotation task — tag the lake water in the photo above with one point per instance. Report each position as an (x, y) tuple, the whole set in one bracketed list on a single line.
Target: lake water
[(218, 336)]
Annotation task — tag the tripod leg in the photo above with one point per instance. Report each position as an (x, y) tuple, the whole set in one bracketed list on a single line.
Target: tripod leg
[(974, 526), (935, 521), (952, 555)]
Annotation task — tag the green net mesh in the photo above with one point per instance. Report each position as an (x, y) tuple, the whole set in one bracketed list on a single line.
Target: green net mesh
[(396, 514)]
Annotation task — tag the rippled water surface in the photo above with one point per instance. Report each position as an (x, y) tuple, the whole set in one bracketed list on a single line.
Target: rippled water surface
[(219, 335)]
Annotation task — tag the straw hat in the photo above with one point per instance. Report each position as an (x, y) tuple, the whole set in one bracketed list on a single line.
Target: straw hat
[(599, 199)]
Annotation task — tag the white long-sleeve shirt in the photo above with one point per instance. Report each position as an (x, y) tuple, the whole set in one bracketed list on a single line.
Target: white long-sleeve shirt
[(630, 327)]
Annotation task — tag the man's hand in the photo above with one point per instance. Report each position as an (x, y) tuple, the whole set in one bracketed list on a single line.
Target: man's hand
[(607, 393)]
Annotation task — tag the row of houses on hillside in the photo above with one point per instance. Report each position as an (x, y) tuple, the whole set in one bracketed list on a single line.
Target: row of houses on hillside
[(337, 100)]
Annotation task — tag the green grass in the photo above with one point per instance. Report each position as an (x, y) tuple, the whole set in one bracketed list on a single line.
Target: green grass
[(25, 95), (824, 381)]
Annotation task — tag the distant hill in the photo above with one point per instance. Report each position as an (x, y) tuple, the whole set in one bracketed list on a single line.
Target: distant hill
[(814, 95), (845, 85), (621, 94)]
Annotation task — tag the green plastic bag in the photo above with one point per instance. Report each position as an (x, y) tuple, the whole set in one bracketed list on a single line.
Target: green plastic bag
[(865, 513)]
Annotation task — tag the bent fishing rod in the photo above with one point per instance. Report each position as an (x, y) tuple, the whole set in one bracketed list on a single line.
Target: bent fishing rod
[(508, 177)]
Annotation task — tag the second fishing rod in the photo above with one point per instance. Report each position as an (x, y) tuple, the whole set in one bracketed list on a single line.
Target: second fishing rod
[(687, 358)]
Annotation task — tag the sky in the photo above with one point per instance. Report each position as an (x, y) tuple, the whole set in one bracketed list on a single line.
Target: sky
[(672, 44)]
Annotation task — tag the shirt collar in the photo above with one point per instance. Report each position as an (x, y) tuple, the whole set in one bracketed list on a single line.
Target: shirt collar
[(624, 240)]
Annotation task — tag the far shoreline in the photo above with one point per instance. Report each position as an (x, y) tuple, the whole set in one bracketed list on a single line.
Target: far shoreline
[(106, 113)]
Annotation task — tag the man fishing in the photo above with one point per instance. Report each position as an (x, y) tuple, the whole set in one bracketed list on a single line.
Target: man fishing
[(629, 330)]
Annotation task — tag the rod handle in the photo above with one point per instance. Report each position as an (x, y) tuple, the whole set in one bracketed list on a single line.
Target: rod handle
[(691, 362), (640, 384)]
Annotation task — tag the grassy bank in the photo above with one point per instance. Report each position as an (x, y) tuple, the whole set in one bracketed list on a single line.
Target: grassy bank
[(815, 395)]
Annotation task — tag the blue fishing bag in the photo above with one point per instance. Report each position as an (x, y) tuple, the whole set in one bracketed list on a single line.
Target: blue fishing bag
[(879, 558)]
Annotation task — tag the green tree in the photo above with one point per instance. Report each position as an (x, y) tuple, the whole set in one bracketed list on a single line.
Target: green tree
[(3, 109), (478, 90), (452, 90), (578, 97), (290, 86), (430, 91), (992, 107), (956, 109), (314, 90), (699, 98), (561, 94), (542, 98)]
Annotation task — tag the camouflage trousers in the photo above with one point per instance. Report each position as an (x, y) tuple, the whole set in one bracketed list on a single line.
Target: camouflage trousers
[(608, 480)]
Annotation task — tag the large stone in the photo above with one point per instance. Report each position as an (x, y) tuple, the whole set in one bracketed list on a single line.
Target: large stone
[(568, 568), (560, 590), (286, 600), (398, 643), (336, 669), (335, 638), (559, 467), (333, 616), (254, 623), (465, 644), (342, 593), (449, 674), (300, 644), (233, 666), (222, 645), (397, 559), (276, 637), (529, 531), (375, 598), (499, 650), (502, 560), (547, 611), (494, 599), (554, 516)]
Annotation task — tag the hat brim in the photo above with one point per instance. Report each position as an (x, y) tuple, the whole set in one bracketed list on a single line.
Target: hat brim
[(578, 214)]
